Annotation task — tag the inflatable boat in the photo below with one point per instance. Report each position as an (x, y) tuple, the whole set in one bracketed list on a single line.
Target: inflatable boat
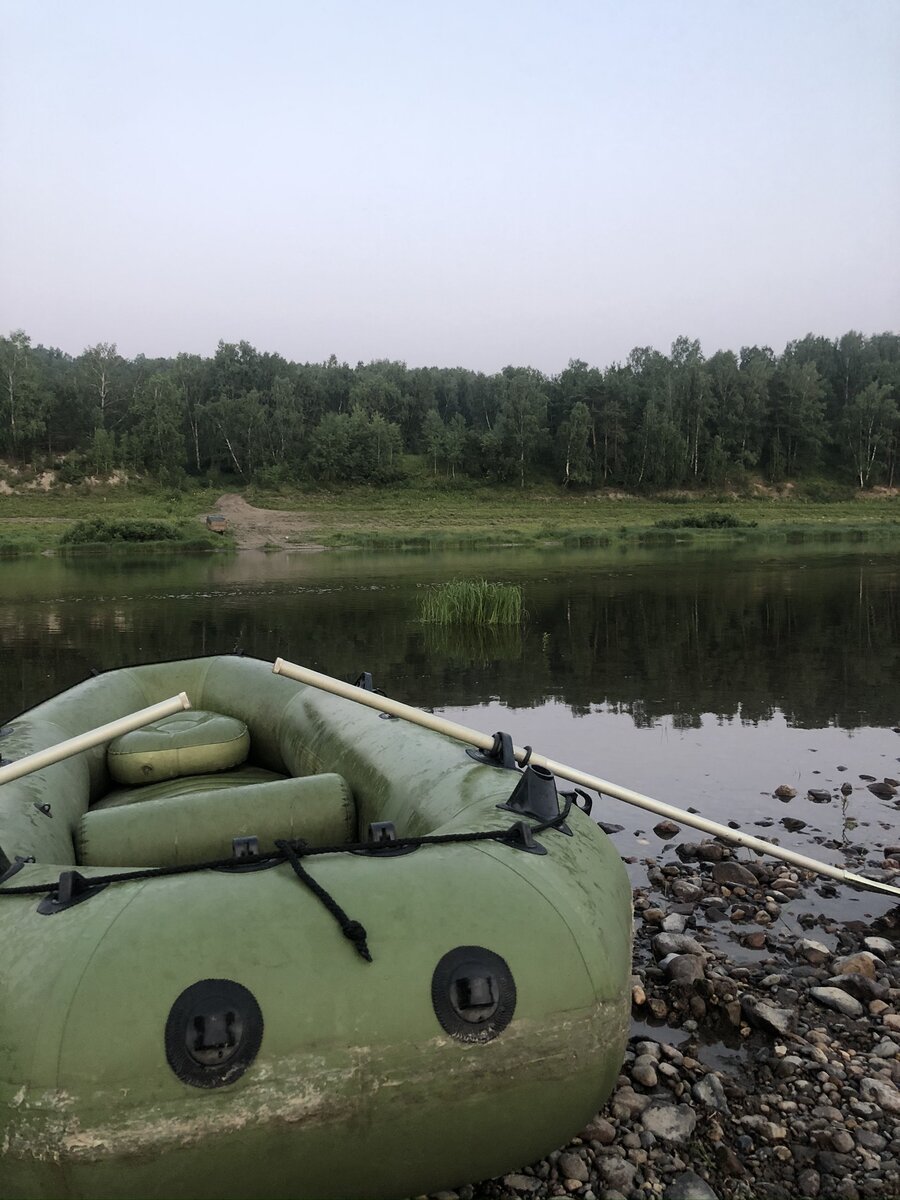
[(277, 945)]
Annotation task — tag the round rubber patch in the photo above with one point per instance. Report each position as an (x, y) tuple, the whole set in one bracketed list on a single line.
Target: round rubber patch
[(473, 994), (213, 1033)]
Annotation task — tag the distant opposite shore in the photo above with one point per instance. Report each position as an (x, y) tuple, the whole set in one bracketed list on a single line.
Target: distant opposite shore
[(41, 515)]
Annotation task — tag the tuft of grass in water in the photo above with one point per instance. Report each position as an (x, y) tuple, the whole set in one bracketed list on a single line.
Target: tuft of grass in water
[(472, 602)]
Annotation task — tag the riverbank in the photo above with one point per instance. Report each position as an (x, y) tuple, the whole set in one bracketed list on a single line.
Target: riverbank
[(765, 1071), (469, 516)]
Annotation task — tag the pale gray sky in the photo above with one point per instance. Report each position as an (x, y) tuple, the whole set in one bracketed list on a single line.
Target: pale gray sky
[(470, 183)]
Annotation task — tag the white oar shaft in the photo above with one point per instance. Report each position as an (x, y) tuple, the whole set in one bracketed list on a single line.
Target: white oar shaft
[(94, 737), (484, 742)]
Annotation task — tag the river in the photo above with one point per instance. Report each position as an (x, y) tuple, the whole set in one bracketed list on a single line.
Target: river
[(704, 678)]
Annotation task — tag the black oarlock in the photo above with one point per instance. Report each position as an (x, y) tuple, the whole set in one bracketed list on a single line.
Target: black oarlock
[(535, 795)]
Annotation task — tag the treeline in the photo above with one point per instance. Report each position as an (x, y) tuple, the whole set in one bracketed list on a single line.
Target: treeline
[(655, 421)]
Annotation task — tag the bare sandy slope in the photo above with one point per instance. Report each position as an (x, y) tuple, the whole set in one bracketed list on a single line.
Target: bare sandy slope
[(255, 527)]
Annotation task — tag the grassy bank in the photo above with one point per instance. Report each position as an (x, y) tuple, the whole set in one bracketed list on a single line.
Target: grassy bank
[(432, 518), (425, 516)]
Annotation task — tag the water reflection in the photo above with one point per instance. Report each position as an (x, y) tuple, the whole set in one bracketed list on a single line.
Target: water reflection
[(815, 637)]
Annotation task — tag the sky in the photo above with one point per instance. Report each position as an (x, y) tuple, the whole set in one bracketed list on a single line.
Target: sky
[(470, 183)]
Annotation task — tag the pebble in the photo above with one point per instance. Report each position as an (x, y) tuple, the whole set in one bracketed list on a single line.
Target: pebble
[(573, 1166), (689, 1186), (838, 999), (667, 829), (733, 873), (806, 1098), (672, 1122)]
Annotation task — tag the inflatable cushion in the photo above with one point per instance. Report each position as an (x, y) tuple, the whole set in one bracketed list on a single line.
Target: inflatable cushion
[(200, 827), (187, 743)]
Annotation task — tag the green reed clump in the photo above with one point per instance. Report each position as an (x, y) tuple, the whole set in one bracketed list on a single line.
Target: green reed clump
[(472, 602)]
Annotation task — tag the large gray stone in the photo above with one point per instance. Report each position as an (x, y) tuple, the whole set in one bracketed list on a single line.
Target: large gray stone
[(521, 1183), (881, 947), (671, 1122), (837, 999), (573, 1166), (676, 943), (814, 952), (617, 1173), (709, 1091), (688, 1186), (685, 969), (733, 874), (881, 1092), (768, 1016)]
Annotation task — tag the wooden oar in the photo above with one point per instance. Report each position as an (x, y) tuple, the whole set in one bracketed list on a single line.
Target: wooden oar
[(484, 741), (94, 737)]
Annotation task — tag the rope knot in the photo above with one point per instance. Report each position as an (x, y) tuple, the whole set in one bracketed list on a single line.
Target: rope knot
[(356, 933)]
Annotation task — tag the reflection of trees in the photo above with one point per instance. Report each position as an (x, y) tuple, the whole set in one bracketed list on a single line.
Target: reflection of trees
[(822, 644)]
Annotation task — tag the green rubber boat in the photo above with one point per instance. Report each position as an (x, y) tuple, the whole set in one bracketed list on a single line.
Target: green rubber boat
[(279, 946)]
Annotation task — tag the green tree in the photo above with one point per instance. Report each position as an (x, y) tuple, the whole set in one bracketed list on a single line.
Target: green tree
[(868, 425), (576, 437), (156, 440), (434, 436), (22, 396), (520, 426)]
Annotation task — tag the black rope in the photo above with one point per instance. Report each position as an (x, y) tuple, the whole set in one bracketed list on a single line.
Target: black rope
[(293, 851), (352, 930)]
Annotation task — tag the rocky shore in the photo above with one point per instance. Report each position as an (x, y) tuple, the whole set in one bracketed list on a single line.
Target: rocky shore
[(765, 1058)]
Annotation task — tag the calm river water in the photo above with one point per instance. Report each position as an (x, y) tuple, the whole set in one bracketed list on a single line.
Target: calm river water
[(705, 678)]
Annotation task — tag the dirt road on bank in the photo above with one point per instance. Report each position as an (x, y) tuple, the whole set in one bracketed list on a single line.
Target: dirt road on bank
[(253, 528)]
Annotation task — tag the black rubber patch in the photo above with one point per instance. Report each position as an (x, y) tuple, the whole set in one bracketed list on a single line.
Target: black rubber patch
[(213, 1033), (473, 993)]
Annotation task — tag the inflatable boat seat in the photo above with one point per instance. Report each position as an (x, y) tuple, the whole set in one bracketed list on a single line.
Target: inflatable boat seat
[(200, 826)]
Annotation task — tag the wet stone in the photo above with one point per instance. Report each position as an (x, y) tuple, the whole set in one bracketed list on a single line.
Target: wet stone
[(767, 1016), (709, 1091), (676, 943), (809, 1182), (882, 1093), (689, 1186), (880, 947), (617, 1173), (521, 1183), (599, 1130), (666, 829), (732, 873), (862, 963), (814, 952), (684, 969), (671, 1122), (683, 890), (711, 852), (573, 1166), (837, 999)]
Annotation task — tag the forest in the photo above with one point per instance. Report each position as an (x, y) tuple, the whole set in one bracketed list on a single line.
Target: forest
[(823, 407)]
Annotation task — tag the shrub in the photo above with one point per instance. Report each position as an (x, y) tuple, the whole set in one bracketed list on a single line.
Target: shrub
[(99, 529), (710, 520)]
